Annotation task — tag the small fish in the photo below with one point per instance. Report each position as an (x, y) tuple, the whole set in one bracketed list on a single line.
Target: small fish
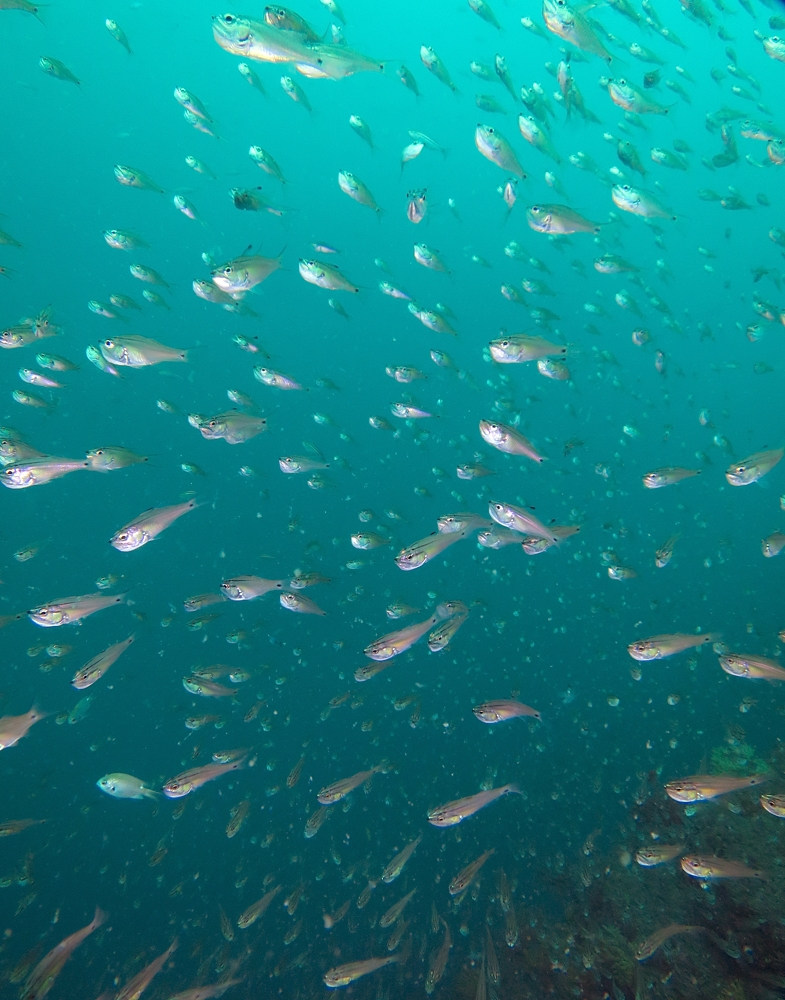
[(491, 712), (667, 477), (257, 909), (664, 554), (494, 147), (752, 667), (340, 789), (560, 220), (658, 854), (125, 786), (95, 668), (648, 947), (148, 526), (455, 812), (774, 804), (14, 727), (300, 603), (188, 781), (433, 63), (703, 787), (710, 867), (131, 177), (396, 866), (468, 874), (69, 610), (248, 588), (509, 440), (342, 975), (53, 67), (660, 646), (751, 469)]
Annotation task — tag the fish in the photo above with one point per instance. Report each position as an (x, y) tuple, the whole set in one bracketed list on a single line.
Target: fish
[(39, 471), (701, 866), (494, 147), (136, 986), (250, 915), (394, 913), (664, 554), (189, 781), (520, 348), (126, 786), (667, 477), (658, 854), (774, 804), (703, 787), (251, 39), (53, 67), (148, 526), (95, 668), (134, 351), (571, 25), (331, 794), (352, 186), (350, 972), (660, 646), (248, 588), (13, 728), (300, 603), (753, 468), (68, 610), (396, 866), (558, 220), (325, 276), (242, 274), (491, 712), (467, 875), (457, 811), (43, 976), (439, 961), (232, 426), (113, 457), (752, 667), (652, 943), (509, 440)]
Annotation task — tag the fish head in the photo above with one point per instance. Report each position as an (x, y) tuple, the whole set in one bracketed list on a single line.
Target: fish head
[(49, 616), (643, 650), (18, 477), (230, 278), (493, 433), (441, 817), (736, 666), (539, 218), (108, 784), (176, 788), (742, 474), (214, 428), (115, 351), (505, 350), (487, 141), (233, 33), (290, 601), (501, 513), (128, 539), (486, 714), (683, 791), (653, 480)]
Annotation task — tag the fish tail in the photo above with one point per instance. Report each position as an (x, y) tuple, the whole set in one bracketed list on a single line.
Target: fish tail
[(512, 789), (100, 917), (712, 637)]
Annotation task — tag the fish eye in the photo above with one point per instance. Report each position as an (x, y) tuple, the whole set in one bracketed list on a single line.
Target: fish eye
[(622, 82), (227, 270), (228, 18), (109, 344)]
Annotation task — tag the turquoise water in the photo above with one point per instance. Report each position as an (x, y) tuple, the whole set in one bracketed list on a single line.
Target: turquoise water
[(550, 629)]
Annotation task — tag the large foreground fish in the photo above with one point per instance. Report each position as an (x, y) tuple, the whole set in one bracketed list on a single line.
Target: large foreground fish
[(243, 36)]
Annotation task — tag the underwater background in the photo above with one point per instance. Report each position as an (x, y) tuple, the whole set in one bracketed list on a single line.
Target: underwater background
[(701, 389)]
